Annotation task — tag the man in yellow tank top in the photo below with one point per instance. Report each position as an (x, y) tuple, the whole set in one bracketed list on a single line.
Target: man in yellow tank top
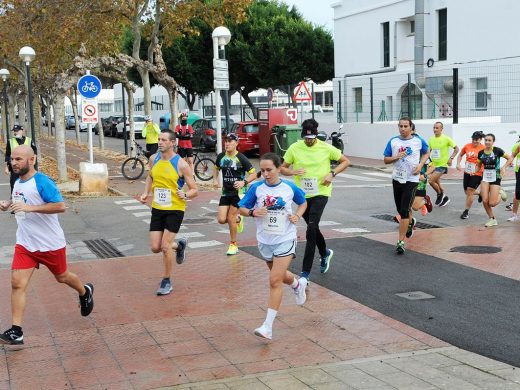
[(168, 174)]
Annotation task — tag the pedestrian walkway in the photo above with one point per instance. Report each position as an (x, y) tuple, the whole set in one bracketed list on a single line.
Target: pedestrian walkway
[(203, 332)]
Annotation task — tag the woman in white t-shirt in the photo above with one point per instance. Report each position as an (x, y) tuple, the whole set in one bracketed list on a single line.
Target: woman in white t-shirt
[(270, 202)]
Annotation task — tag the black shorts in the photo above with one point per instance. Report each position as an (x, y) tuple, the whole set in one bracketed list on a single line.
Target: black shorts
[(471, 181), (494, 183), (517, 187), (420, 193), (185, 152), (404, 195), (170, 220), (231, 200), (152, 149)]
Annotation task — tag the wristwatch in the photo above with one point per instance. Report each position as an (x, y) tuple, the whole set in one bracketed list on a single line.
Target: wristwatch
[(251, 212), (333, 173)]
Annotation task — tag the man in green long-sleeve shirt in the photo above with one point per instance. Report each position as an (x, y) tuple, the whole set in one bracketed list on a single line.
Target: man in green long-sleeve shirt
[(151, 132)]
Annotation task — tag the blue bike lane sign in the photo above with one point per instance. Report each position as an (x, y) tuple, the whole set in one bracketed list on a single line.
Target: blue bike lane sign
[(89, 86)]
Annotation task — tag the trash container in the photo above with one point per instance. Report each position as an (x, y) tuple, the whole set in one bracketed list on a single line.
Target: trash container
[(285, 136)]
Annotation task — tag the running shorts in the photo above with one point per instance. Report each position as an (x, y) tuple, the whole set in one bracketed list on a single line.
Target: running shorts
[(170, 220), (283, 249), (55, 261), (471, 181), (517, 187), (231, 200), (185, 152), (404, 195), (442, 170)]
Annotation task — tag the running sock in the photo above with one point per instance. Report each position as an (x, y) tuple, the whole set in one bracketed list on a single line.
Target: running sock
[(17, 329), (166, 279), (295, 283), (269, 319)]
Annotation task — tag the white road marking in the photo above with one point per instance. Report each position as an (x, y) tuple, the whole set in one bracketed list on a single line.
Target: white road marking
[(128, 201), (147, 221), (329, 223), (356, 177), (142, 181), (379, 174), (208, 209), (204, 244), (509, 188), (190, 235), (224, 231), (213, 201), (115, 176), (352, 230), (4, 184), (143, 214), (139, 207), (508, 182)]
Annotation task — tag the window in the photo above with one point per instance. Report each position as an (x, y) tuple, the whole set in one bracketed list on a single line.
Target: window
[(481, 95), (328, 98), (105, 107), (443, 34), (358, 99), (386, 44), (412, 27), (318, 98)]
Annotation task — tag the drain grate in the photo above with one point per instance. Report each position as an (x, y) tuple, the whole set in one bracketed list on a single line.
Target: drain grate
[(415, 295), (476, 249), (103, 249), (420, 225), (197, 221)]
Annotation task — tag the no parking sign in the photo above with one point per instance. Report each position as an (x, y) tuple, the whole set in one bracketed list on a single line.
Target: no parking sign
[(89, 111)]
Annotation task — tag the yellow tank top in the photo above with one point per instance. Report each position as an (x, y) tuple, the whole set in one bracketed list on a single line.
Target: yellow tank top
[(166, 183)]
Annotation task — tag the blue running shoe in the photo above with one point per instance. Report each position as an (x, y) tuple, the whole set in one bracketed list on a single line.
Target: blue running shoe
[(325, 261), (165, 288)]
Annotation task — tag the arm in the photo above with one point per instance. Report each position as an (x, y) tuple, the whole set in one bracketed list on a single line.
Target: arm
[(216, 182), (294, 218), (423, 160), (344, 162), (4, 205), (287, 171), (187, 174), (508, 163), (252, 177), (46, 208), (453, 154), (147, 189), (393, 159), (459, 159)]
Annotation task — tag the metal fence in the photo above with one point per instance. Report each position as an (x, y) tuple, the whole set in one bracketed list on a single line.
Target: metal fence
[(467, 91)]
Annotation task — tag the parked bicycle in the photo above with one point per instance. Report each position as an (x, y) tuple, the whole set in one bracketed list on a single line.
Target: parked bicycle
[(203, 166), (133, 167)]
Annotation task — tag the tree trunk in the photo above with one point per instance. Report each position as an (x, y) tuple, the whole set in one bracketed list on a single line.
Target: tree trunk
[(191, 97), (11, 109), (22, 114), (249, 102), (172, 94), (37, 112), (74, 103), (5, 131), (130, 94), (59, 114), (101, 134), (147, 94)]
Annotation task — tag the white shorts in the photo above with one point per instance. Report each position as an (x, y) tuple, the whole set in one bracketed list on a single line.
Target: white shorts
[(283, 249)]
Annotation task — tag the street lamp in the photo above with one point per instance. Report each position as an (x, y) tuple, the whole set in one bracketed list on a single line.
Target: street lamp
[(27, 54), (4, 73), (221, 37)]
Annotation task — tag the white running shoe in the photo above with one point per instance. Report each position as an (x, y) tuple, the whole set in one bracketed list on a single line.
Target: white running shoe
[(264, 332), (503, 195), (299, 291), (491, 222), (514, 218)]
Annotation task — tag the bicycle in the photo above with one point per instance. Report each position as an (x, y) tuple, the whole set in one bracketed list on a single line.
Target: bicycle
[(133, 167), (203, 167)]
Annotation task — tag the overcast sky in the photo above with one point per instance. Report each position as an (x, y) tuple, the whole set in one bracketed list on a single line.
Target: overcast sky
[(317, 11)]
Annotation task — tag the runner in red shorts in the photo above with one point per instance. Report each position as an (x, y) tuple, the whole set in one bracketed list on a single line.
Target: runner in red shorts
[(36, 201)]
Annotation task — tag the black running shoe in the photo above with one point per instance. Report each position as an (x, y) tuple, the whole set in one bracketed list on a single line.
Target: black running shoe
[(439, 198), (12, 337), (445, 201), (479, 198), (411, 225), (181, 248), (509, 207), (86, 302), (400, 247), (464, 215)]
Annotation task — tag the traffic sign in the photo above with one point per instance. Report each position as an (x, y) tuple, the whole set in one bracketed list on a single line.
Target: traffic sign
[(221, 84), (220, 64), (89, 86), (89, 109), (221, 74), (302, 93)]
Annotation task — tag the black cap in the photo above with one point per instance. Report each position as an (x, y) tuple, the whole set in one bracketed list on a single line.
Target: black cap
[(17, 127), (232, 137), (477, 135)]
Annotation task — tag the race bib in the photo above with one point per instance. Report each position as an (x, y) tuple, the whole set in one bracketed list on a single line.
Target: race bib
[(309, 185), (275, 222), (471, 168), (400, 174), (163, 197), (490, 175), (435, 154)]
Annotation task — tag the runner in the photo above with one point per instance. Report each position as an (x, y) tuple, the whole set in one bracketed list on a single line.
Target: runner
[(310, 159), (184, 134), (408, 154), (421, 201), (490, 191), (168, 173), (516, 198), (270, 202), (234, 166), (36, 201), (472, 177), (440, 145)]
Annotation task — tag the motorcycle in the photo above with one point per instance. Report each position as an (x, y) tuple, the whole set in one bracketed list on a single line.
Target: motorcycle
[(334, 137)]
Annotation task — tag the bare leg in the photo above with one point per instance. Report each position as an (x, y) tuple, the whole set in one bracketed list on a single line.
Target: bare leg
[(72, 280), (418, 203), (494, 195), (232, 222), (19, 281), (484, 193), (278, 276), (168, 246), (470, 193), (435, 182)]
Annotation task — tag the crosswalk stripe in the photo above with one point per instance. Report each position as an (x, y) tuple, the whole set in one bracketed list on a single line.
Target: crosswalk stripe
[(190, 235), (204, 244), (379, 174), (127, 201), (352, 230), (213, 201), (143, 214), (329, 223), (357, 177), (147, 221), (139, 207)]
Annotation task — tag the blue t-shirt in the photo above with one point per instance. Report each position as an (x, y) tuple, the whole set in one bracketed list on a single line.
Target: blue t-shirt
[(415, 147), (275, 227)]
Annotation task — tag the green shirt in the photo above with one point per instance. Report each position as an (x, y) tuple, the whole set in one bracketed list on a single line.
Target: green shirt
[(517, 159), (440, 150), (316, 162)]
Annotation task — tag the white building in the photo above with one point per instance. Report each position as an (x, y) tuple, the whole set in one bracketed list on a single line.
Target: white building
[(381, 42)]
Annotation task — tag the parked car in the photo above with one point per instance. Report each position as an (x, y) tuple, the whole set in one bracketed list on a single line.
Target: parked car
[(70, 123), (205, 134), (247, 136), (164, 121), (109, 125), (139, 123)]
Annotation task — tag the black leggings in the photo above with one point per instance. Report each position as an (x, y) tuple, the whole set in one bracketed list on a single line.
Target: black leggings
[(404, 195), (312, 216)]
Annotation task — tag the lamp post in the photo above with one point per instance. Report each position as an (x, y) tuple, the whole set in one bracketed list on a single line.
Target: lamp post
[(27, 54), (4, 73), (221, 37)]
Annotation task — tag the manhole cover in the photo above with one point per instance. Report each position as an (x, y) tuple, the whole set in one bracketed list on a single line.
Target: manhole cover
[(476, 249), (196, 221), (415, 295), (420, 225), (103, 249)]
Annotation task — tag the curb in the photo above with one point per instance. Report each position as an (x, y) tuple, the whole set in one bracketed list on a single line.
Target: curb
[(368, 167)]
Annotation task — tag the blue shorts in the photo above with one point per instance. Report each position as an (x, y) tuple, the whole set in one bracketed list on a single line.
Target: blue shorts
[(283, 249), (442, 170)]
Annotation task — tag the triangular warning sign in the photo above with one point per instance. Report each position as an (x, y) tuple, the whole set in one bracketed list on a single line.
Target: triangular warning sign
[(302, 93)]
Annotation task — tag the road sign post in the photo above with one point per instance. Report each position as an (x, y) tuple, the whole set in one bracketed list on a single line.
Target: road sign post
[(301, 95), (89, 88)]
